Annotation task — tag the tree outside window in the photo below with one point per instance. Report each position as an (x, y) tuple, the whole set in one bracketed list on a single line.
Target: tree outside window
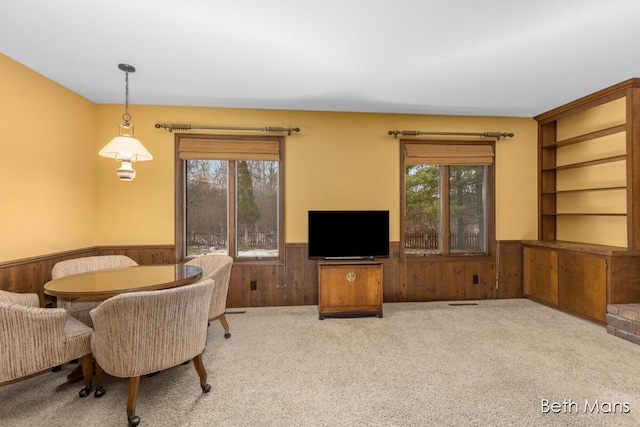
[(446, 206), (228, 190)]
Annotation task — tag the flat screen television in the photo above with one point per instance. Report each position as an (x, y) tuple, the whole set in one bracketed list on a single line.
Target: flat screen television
[(348, 234)]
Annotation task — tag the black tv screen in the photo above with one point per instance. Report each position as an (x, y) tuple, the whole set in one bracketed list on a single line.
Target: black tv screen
[(349, 234)]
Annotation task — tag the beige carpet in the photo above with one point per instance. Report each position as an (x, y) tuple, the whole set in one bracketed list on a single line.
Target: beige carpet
[(423, 364)]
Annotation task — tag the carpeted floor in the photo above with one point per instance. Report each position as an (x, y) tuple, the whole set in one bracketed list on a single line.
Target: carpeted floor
[(424, 364)]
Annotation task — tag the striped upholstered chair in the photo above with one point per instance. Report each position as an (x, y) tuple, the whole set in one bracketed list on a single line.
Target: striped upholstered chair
[(80, 308), (140, 333), (218, 268), (34, 339)]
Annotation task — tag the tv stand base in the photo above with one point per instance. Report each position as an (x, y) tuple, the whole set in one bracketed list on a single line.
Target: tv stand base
[(349, 289), (350, 314)]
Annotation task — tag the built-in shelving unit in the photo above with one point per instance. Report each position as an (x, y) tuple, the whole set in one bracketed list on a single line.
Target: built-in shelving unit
[(588, 252), (588, 168)]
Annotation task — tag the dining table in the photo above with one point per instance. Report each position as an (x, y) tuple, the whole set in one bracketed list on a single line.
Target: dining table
[(103, 284)]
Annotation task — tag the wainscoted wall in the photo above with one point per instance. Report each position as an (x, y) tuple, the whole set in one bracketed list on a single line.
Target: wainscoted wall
[(29, 275), (295, 282)]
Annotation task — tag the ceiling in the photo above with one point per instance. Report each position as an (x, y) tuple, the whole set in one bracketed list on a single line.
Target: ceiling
[(461, 57)]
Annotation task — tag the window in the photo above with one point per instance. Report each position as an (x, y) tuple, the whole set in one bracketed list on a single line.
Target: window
[(447, 197), (229, 196)]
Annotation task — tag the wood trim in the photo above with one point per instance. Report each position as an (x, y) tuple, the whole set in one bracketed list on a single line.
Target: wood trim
[(588, 248), (633, 167), (179, 199), (198, 140), (490, 192), (581, 104), (75, 253)]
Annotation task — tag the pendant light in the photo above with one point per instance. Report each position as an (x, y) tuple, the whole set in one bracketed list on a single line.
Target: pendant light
[(125, 148)]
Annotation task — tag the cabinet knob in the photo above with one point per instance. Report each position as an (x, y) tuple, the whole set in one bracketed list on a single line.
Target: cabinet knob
[(351, 276)]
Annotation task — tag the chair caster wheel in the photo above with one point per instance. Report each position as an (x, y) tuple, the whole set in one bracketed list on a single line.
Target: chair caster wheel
[(100, 391), (85, 392), (227, 335), (206, 388), (134, 421)]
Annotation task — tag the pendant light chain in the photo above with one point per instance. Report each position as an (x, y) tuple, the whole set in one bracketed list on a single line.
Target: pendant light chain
[(126, 116)]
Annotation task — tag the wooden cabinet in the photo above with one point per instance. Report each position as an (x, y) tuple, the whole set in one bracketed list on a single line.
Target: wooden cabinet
[(540, 274), (580, 278), (583, 279), (349, 289)]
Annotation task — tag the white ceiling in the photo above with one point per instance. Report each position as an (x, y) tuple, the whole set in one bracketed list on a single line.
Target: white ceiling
[(464, 57)]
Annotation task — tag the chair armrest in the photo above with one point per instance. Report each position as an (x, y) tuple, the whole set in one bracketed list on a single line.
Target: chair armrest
[(29, 328), (30, 300)]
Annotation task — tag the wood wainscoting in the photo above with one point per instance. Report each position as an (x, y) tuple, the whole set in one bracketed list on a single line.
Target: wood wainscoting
[(30, 274), (295, 282), (417, 279)]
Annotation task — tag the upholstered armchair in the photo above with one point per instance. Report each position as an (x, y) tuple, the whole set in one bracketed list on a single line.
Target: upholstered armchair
[(218, 268), (34, 339), (79, 308), (140, 333)]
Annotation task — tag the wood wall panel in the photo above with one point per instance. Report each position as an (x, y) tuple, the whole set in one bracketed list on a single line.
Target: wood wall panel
[(391, 275), (509, 269), (291, 283), (29, 275), (295, 281), (143, 255)]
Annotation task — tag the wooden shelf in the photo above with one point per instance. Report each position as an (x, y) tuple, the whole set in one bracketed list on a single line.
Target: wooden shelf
[(612, 159), (585, 190), (585, 214), (603, 160), (586, 137)]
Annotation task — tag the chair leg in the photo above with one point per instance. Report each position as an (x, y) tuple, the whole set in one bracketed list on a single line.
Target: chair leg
[(134, 383), (225, 325), (202, 373), (87, 374), (100, 391), (75, 375)]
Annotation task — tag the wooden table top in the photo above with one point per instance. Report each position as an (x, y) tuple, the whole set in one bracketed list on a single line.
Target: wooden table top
[(107, 283)]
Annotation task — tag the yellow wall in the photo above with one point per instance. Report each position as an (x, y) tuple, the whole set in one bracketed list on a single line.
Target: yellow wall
[(47, 165), (64, 196), (337, 161), (606, 230)]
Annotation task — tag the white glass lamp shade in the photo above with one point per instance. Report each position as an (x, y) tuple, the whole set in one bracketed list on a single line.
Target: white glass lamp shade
[(126, 148)]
